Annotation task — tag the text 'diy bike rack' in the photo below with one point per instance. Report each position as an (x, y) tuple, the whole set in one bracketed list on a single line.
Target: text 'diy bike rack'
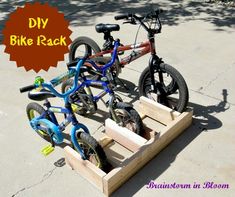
[(128, 152)]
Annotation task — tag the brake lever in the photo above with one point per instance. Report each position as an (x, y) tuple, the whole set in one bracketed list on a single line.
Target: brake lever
[(126, 22), (132, 21)]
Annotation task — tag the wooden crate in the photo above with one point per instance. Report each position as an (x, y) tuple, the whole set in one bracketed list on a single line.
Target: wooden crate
[(162, 125)]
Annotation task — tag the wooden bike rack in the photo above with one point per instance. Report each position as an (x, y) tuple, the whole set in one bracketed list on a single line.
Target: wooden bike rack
[(132, 152)]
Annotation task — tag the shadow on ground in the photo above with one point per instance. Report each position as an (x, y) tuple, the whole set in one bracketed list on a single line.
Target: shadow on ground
[(127, 88), (84, 12)]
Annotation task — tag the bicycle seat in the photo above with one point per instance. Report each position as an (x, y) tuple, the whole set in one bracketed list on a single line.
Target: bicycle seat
[(40, 95), (102, 28)]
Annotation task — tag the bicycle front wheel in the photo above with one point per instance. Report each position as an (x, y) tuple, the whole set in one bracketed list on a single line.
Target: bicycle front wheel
[(172, 92), (129, 117), (92, 150)]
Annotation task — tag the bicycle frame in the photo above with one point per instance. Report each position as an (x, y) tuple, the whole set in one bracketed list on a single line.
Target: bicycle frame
[(88, 83), (144, 48), (147, 47), (103, 69), (107, 90), (96, 98)]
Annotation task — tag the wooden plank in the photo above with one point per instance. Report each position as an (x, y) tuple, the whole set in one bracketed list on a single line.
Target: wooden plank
[(157, 111), (118, 176), (142, 116), (122, 135), (117, 154), (151, 127), (169, 133), (85, 168), (180, 124), (104, 141)]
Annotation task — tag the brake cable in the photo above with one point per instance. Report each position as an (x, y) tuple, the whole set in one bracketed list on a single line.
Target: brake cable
[(133, 53)]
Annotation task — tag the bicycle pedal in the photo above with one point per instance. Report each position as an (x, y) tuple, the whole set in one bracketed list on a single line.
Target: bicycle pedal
[(47, 150), (76, 108)]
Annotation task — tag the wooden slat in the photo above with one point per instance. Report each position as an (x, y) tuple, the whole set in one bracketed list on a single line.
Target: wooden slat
[(123, 136), (104, 141), (169, 133), (118, 176), (142, 116), (157, 111), (85, 168), (180, 124)]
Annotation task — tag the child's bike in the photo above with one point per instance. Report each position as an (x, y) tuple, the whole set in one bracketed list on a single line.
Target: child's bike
[(159, 81), (45, 123), (84, 102)]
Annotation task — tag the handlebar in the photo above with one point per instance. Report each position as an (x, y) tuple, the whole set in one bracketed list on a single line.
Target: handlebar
[(27, 88), (126, 16), (132, 18), (122, 16), (52, 83)]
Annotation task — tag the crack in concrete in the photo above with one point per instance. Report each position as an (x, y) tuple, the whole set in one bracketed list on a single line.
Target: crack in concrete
[(214, 79), (212, 97), (44, 178)]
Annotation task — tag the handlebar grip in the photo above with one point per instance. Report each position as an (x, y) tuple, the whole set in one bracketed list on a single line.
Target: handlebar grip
[(27, 88), (122, 16)]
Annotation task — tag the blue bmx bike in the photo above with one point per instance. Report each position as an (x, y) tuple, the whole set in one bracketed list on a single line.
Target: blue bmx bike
[(84, 102), (44, 121)]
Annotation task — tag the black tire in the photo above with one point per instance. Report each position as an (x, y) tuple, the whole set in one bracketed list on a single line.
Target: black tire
[(129, 117), (90, 46), (176, 85), (81, 47), (93, 151), (30, 110), (81, 110)]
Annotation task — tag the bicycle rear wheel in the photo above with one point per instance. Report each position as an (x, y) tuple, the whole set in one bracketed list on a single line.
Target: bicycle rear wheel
[(33, 110), (81, 47), (173, 92)]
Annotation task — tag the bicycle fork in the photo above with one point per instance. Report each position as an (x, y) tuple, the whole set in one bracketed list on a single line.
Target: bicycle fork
[(74, 133), (158, 88)]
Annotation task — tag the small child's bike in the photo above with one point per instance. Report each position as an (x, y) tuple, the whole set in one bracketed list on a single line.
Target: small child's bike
[(85, 102), (45, 123)]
